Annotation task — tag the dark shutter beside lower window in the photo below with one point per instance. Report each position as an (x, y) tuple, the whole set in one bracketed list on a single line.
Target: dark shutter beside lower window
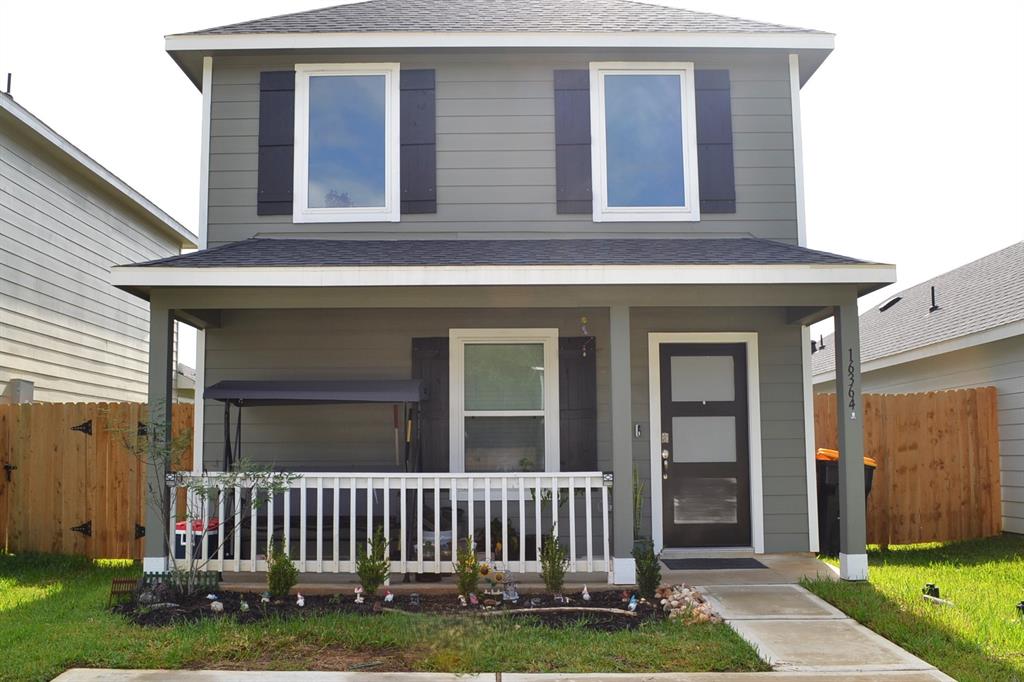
[(577, 402), (573, 183), (430, 364), (714, 141), (276, 143), (418, 141)]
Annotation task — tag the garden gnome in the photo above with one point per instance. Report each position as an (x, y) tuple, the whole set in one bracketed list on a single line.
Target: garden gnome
[(388, 596), (265, 598), (243, 606), (216, 607), (473, 600), (300, 601), (211, 596), (585, 595), (359, 594), (462, 600), (632, 603)]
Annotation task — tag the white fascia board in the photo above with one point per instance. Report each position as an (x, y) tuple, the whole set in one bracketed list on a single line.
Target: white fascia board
[(992, 335), (27, 118), (488, 275), (425, 39)]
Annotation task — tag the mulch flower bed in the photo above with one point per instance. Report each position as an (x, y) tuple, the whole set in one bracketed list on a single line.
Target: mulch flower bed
[(606, 610)]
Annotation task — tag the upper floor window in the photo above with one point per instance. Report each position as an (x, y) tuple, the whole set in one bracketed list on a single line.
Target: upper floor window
[(644, 146), (346, 142)]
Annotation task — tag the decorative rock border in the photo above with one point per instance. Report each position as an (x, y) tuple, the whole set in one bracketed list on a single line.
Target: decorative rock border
[(683, 601)]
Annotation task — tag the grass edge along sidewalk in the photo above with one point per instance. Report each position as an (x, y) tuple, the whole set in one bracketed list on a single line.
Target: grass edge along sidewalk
[(980, 637), (53, 617)]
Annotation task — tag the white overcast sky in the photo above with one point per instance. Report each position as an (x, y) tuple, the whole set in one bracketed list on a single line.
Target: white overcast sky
[(913, 128)]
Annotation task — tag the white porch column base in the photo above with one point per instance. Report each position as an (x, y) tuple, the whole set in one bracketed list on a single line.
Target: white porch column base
[(623, 571), (154, 564), (853, 566)]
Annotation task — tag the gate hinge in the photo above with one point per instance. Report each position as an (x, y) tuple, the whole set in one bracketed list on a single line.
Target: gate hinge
[(140, 531), (85, 427), (84, 528), (142, 431), (8, 468)]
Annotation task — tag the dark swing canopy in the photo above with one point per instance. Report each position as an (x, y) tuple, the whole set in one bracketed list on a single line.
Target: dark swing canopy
[(316, 392)]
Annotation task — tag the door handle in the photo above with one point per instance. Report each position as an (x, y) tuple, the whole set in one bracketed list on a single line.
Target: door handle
[(664, 464)]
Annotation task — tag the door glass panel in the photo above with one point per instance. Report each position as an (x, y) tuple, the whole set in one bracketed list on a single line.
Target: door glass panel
[(504, 376), (705, 500), (504, 443), (697, 378), (703, 439)]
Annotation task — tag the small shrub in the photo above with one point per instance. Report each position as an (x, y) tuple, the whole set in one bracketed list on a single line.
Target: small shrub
[(467, 568), (281, 574), (374, 566), (553, 565), (648, 568)]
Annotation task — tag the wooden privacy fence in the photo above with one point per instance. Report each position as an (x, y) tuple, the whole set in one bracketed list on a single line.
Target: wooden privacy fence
[(938, 463), (69, 481)]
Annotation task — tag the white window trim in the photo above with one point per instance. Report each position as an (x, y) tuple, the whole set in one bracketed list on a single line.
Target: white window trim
[(391, 211), (457, 340), (604, 213)]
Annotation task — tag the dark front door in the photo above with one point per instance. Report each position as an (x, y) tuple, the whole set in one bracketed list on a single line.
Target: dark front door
[(704, 445)]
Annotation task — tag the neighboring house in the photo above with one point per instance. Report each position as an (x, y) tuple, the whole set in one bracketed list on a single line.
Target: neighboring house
[(567, 236), (962, 329), (66, 334)]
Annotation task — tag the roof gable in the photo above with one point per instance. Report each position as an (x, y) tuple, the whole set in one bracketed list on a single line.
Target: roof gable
[(500, 16)]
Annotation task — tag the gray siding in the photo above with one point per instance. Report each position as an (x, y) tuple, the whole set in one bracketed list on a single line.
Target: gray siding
[(376, 343), (496, 150), (999, 364), (62, 325)]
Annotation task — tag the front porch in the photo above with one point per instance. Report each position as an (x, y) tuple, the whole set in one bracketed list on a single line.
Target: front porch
[(688, 385)]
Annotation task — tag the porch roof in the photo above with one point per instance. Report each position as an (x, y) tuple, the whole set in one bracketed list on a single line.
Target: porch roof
[(264, 252)]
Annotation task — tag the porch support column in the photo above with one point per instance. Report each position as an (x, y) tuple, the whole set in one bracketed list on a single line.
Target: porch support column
[(623, 567), (161, 356), (853, 558)]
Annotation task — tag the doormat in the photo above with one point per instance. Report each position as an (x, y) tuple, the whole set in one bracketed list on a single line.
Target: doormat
[(711, 564)]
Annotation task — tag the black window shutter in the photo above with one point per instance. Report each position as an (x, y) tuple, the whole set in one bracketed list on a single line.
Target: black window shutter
[(276, 143), (577, 398), (573, 183), (418, 141), (430, 364), (714, 142)]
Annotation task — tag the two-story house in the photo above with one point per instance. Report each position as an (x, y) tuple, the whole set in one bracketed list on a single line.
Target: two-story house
[(487, 268)]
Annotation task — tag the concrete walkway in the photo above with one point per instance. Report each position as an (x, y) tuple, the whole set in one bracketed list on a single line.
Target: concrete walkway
[(98, 675)]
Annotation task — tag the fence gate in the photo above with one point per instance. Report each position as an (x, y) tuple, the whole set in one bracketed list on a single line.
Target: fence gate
[(70, 482)]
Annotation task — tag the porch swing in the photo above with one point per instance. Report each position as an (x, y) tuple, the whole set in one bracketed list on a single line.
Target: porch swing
[(404, 395)]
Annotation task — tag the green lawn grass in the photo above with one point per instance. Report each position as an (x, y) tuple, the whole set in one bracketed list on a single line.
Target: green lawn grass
[(981, 637), (53, 617)]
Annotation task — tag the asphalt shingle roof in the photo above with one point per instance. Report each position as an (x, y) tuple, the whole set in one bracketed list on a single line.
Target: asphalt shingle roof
[(981, 295), (262, 252), (500, 16)]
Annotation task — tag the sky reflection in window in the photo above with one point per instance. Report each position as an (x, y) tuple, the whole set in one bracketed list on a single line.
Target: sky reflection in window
[(644, 140), (347, 141)]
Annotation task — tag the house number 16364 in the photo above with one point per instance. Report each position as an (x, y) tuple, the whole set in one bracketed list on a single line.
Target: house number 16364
[(850, 372)]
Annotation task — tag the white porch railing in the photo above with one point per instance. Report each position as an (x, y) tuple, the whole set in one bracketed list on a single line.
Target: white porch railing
[(322, 516)]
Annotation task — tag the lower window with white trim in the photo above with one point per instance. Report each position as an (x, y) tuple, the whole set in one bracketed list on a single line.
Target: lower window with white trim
[(504, 400)]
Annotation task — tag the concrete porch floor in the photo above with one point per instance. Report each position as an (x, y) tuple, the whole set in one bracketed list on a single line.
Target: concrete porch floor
[(781, 569)]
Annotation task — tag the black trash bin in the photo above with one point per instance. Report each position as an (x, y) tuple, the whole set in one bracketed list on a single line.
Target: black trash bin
[(827, 470)]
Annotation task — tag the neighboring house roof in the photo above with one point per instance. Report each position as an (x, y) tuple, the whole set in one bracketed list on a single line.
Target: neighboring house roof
[(496, 23), (500, 16), (978, 303), (61, 147), (258, 252)]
